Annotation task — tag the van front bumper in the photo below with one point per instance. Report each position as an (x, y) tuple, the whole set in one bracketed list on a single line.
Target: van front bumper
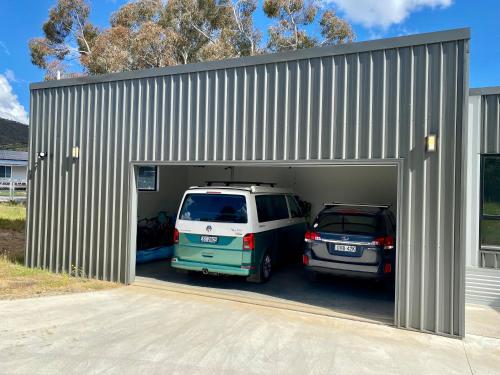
[(210, 268)]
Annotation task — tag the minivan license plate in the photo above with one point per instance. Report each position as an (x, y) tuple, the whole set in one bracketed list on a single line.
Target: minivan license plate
[(345, 248), (209, 239)]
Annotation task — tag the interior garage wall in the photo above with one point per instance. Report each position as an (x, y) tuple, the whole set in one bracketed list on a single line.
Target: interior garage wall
[(317, 185), (374, 100)]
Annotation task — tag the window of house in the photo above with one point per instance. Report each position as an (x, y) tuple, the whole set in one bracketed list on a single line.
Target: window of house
[(490, 201), (5, 171), (147, 179)]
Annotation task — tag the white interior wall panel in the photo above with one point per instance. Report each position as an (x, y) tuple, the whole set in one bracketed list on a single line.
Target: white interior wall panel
[(364, 101)]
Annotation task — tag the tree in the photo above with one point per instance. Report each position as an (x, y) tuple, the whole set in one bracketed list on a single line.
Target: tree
[(292, 17), (67, 35), (156, 33)]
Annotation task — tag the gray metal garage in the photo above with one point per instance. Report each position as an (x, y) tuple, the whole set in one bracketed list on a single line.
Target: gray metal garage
[(483, 192), (371, 103)]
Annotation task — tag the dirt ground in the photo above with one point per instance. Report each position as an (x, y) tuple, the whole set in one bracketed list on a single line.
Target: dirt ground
[(12, 244)]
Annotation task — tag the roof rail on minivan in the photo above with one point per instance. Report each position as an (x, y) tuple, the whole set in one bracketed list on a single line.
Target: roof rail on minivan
[(381, 206), (229, 183)]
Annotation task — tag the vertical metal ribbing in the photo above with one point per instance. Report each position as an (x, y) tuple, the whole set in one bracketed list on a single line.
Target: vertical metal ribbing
[(171, 120), (409, 199), (207, 84), (308, 111), (424, 187), (264, 115), (398, 100), (457, 180), (297, 114), (370, 110), (358, 94), (179, 125), (53, 250), (332, 109), (114, 182), (146, 105), (346, 100), (50, 124), (197, 140), (163, 117), (189, 118), (154, 101), (320, 109), (286, 108), (216, 111), (66, 140), (384, 105), (275, 112), (234, 124), (108, 167), (254, 114), (245, 115), (224, 118)]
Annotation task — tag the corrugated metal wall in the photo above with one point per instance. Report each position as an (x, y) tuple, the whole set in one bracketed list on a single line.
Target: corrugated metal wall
[(490, 138), (373, 100), (490, 144)]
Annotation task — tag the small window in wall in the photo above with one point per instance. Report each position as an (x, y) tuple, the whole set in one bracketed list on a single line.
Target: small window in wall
[(490, 201), (147, 179), (5, 171)]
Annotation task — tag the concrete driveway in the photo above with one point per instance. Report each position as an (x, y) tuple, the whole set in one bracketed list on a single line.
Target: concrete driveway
[(153, 331)]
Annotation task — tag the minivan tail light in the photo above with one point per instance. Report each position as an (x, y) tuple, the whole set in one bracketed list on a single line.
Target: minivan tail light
[(249, 241), (176, 236), (312, 236), (305, 259), (387, 242)]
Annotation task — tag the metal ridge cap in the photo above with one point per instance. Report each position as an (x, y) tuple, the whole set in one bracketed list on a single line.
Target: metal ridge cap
[(489, 90), (343, 49)]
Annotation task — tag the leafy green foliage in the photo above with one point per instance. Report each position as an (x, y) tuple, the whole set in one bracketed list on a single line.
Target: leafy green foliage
[(156, 33)]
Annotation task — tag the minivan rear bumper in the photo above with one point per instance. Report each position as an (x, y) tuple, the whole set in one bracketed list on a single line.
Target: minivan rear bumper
[(209, 268)]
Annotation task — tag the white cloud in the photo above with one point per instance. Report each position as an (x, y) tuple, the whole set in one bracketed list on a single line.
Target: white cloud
[(10, 108), (384, 13), (4, 48), (9, 74)]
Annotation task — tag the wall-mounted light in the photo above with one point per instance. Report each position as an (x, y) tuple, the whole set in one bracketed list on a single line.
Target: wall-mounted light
[(431, 143), (75, 152), (41, 155)]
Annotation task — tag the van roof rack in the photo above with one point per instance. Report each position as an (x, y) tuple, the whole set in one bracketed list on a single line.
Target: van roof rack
[(229, 183), (334, 204)]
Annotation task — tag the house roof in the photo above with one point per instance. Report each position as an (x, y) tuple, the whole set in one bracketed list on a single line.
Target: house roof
[(8, 157)]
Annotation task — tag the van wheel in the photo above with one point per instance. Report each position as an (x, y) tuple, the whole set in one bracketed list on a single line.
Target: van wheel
[(266, 268)]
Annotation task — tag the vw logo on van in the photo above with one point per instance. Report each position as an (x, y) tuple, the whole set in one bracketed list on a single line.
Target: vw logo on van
[(345, 238), (209, 228)]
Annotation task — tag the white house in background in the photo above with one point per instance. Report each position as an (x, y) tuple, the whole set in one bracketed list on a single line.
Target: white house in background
[(14, 166)]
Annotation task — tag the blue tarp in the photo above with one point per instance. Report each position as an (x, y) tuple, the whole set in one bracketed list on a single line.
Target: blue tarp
[(155, 253)]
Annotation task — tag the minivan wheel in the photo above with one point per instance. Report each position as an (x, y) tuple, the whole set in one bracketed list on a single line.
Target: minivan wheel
[(266, 268)]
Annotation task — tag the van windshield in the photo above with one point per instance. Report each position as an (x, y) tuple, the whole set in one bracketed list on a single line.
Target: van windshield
[(221, 208)]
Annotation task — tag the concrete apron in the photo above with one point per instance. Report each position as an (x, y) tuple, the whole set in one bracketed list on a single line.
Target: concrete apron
[(252, 299)]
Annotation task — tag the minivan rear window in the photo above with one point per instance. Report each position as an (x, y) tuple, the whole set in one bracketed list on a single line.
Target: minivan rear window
[(350, 224), (221, 208)]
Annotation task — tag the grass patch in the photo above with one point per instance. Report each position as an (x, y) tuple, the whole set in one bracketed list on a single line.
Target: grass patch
[(18, 281), (12, 216)]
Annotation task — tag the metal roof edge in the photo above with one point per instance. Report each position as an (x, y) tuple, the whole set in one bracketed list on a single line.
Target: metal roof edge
[(372, 45), (491, 90)]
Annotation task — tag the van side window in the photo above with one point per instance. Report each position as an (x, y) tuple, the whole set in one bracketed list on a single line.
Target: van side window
[(295, 210), (271, 207)]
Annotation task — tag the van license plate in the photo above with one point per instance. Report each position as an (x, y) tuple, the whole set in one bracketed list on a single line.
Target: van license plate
[(209, 239), (346, 248)]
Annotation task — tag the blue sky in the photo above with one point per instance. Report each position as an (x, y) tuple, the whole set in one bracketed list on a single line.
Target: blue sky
[(21, 20)]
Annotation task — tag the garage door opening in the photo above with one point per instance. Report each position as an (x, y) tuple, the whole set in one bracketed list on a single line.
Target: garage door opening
[(161, 188)]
